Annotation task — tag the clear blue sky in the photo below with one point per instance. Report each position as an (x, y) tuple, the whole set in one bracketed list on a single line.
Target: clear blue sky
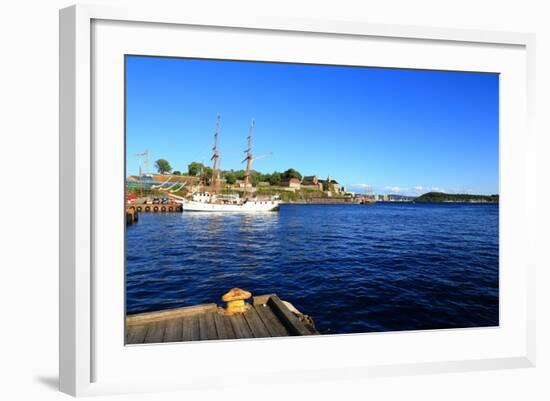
[(399, 131)]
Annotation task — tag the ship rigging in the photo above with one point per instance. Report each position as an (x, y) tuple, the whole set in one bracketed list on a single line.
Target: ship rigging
[(213, 201)]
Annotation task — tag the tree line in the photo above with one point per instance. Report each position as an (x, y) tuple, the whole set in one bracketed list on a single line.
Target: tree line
[(195, 169), (444, 197)]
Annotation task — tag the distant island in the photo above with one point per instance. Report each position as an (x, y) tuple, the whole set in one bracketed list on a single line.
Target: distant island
[(443, 197)]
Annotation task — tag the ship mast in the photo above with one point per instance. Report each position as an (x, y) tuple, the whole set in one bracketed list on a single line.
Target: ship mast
[(215, 158), (145, 157), (202, 180), (248, 158)]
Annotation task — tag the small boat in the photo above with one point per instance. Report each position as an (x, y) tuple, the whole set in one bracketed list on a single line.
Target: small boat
[(367, 201)]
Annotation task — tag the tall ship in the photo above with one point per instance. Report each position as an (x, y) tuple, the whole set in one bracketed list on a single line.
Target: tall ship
[(215, 201)]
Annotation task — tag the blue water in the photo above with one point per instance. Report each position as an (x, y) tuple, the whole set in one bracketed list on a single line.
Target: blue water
[(353, 268)]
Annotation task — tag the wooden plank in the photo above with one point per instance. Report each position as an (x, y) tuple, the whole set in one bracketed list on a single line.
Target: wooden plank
[(229, 328), (240, 326), (207, 327), (174, 330), (255, 323), (261, 299), (149, 317), (292, 323), (190, 328), (135, 334), (273, 325), (223, 327), (155, 333)]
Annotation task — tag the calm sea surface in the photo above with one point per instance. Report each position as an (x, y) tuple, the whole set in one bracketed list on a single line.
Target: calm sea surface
[(353, 268)]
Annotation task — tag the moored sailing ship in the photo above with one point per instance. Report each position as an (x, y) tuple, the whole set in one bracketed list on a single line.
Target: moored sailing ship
[(213, 201)]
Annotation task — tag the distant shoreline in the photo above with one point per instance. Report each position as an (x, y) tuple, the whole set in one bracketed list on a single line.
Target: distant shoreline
[(441, 197)]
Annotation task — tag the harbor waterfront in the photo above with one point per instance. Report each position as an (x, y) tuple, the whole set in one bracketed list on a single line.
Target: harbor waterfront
[(352, 268), (316, 200)]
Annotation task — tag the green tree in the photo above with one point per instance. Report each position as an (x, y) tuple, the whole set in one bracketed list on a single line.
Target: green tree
[(194, 168), (275, 178), (230, 177), (291, 173), (163, 166), (207, 171), (255, 177), (239, 174), (176, 172)]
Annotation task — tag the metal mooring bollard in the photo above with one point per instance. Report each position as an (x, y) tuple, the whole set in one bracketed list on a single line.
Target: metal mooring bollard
[(235, 299)]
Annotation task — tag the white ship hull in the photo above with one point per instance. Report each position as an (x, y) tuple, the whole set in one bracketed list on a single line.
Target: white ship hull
[(250, 206)]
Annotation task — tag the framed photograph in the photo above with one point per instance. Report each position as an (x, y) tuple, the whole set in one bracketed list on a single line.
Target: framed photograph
[(314, 198)]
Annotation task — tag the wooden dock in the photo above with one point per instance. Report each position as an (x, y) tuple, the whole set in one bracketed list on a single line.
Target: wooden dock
[(158, 207), (131, 215), (267, 316)]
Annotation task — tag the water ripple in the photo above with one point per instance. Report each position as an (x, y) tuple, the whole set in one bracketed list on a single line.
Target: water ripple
[(353, 268)]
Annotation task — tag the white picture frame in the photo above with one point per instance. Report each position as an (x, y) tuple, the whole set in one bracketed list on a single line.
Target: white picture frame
[(80, 342)]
